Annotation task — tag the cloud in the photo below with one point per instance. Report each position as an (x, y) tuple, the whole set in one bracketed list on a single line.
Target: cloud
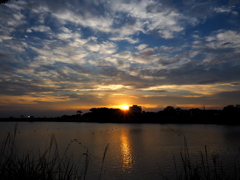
[(142, 46), (225, 9), (118, 17), (91, 50), (150, 16), (103, 48), (96, 23), (128, 39), (40, 28), (227, 38), (229, 96), (11, 17)]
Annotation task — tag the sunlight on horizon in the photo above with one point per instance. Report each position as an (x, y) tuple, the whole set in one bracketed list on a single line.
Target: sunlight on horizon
[(125, 107)]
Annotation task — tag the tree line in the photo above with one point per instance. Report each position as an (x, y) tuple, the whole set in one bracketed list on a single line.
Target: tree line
[(228, 115)]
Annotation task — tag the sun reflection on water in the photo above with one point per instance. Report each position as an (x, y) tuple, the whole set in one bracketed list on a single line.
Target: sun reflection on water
[(126, 151)]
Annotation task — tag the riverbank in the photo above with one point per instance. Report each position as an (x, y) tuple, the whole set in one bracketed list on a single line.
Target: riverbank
[(218, 119)]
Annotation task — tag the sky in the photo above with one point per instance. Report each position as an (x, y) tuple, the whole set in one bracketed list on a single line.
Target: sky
[(57, 57)]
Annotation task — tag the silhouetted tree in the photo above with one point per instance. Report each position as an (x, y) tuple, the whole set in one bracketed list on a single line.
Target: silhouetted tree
[(105, 114), (237, 107), (79, 113), (230, 114), (169, 111), (195, 112), (229, 109)]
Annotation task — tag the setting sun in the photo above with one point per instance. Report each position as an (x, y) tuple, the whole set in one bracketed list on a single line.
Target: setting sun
[(124, 107)]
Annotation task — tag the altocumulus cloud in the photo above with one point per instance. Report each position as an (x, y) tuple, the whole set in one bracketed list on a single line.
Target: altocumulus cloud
[(79, 54)]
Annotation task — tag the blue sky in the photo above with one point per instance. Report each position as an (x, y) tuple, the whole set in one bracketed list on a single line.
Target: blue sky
[(57, 57)]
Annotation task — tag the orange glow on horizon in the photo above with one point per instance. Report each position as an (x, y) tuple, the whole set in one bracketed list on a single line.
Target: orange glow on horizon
[(124, 107)]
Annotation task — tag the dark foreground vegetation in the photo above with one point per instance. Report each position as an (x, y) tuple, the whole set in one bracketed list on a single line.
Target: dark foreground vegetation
[(228, 115), (46, 165), (208, 167), (52, 165)]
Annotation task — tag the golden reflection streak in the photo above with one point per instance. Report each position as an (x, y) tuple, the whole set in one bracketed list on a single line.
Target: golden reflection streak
[(126, 151)]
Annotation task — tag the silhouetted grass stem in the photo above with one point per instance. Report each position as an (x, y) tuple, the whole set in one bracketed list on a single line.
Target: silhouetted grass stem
[(209, 167), (46, 165)]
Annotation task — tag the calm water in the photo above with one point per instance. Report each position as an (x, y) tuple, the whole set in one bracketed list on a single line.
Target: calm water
[(136, 151)]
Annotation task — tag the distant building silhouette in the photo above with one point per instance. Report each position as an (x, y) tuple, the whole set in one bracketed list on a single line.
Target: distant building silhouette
[(135, 109)]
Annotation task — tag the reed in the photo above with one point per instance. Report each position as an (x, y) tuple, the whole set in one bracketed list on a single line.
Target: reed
[(207, 167), (103, 159), (46, 165)]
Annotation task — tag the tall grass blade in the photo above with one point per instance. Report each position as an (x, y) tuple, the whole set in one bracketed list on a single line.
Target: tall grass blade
[(46, 165), (175, 166), (103, 159), (87, 158)]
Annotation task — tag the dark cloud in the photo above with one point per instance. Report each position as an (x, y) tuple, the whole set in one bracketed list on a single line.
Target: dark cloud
[(154, 91), (186, 75), (211, 81), (22, 88), (7, 63), (229, 96), (192, 73)]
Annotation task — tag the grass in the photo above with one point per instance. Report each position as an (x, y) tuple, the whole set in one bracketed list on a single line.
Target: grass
[(46, 165), (209, 167)]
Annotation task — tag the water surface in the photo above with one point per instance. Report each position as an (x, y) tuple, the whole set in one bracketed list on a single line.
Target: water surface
[(135, 151)]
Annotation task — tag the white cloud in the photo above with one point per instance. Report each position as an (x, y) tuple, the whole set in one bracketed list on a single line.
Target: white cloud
[(78, 42), (125, 55), (93, 47), (166, 48), (142, 46), (41, 28), (147, 16), (229, 36), (96, 23), (150, 16), (129, 39), (223, 39), (15, 6), (16, 19), (225, 9), (129, 29), (108, 48), (3, 38), (101, 48)]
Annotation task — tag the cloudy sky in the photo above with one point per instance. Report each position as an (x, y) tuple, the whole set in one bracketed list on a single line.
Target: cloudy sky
[(61, 56)]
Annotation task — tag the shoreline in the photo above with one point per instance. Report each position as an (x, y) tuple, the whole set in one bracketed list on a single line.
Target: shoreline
[(124, 121)]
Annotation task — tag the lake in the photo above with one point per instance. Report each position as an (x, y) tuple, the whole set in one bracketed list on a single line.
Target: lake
[(135, 151)]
